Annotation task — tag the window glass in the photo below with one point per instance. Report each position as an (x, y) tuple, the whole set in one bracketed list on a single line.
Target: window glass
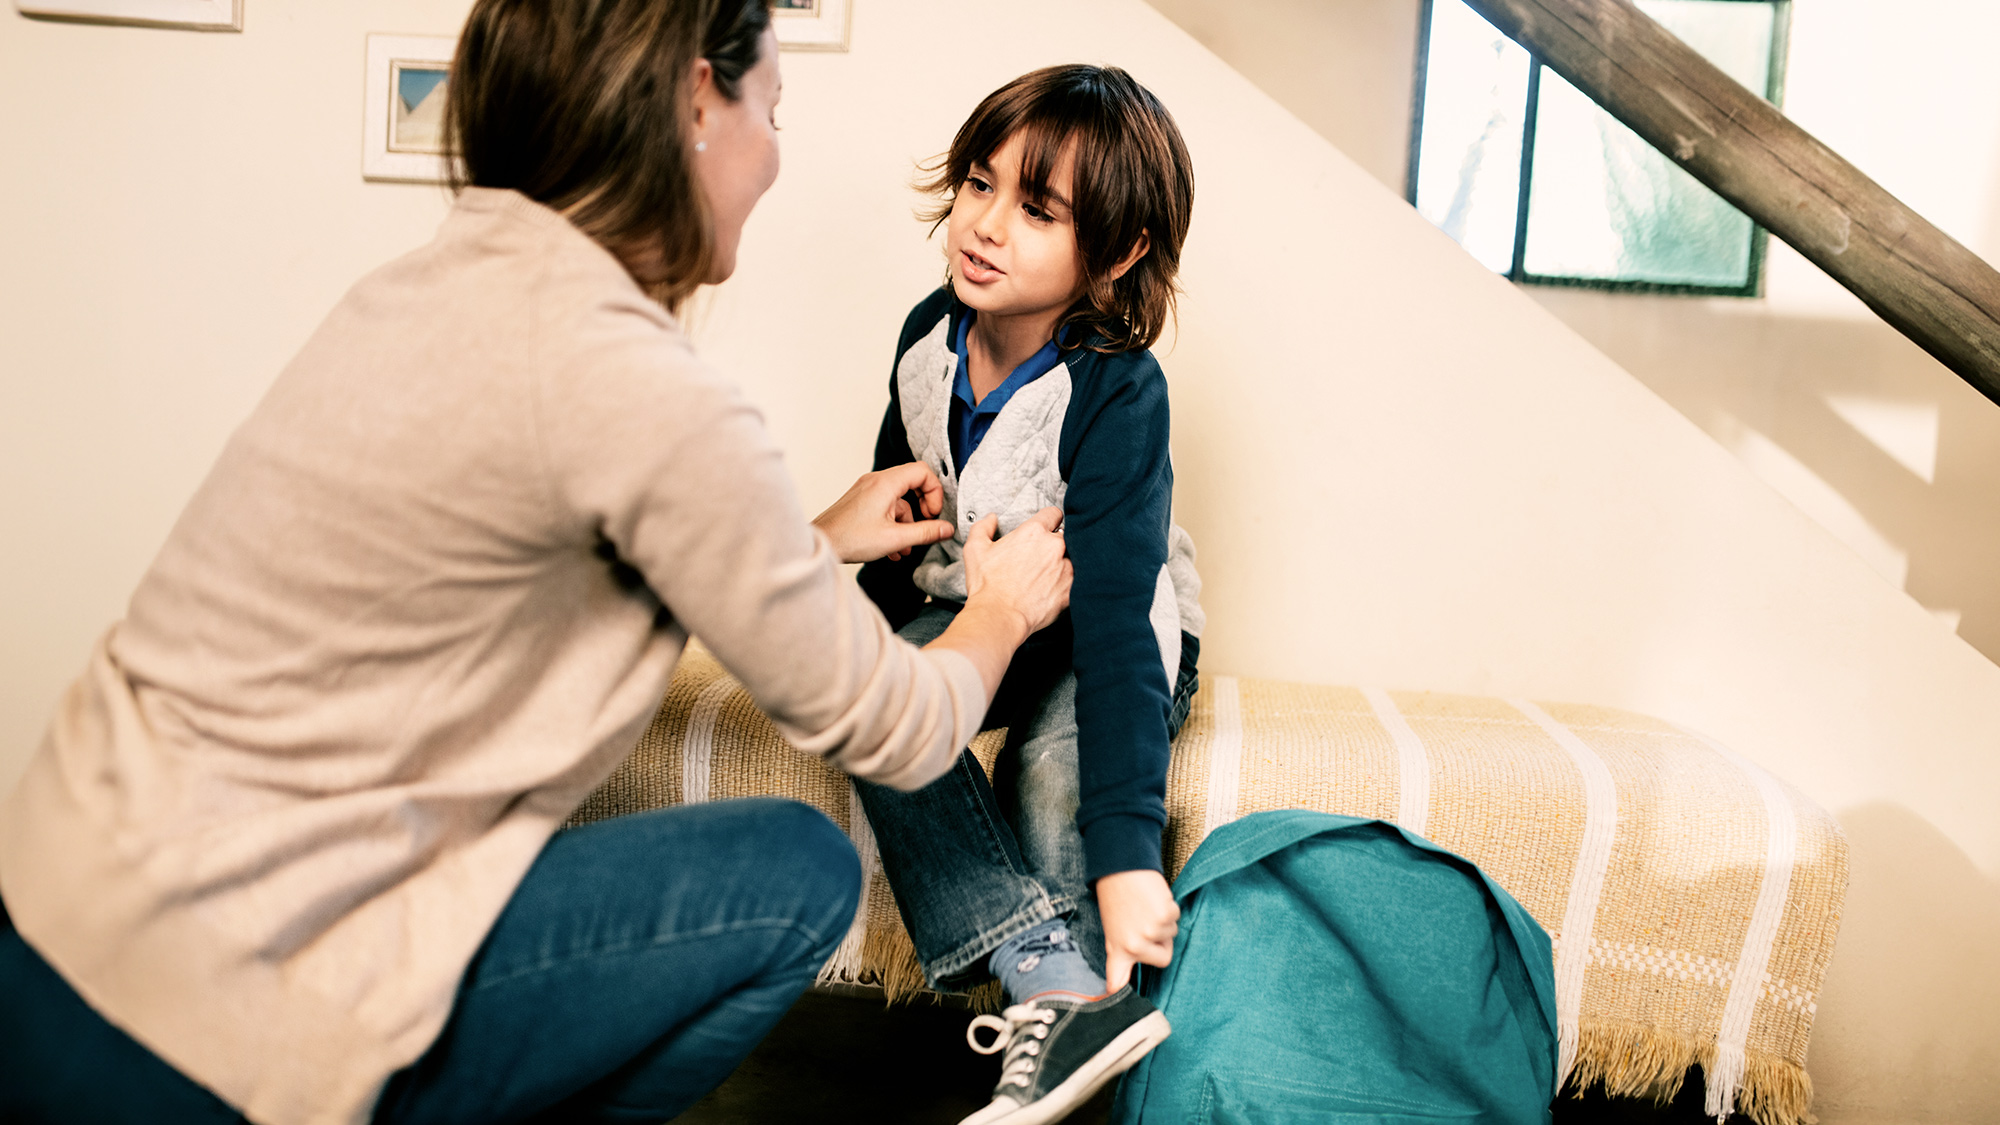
[(1469, 177), (1593, 204)]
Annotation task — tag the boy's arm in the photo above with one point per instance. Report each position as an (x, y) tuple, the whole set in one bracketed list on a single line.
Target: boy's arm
[(1117, 518)]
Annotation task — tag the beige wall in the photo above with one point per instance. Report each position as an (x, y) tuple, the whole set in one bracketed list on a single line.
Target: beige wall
[(178, 211), (1400, 470), (1916, 492)]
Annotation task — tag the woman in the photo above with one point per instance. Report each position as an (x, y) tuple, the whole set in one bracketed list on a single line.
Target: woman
[(289, 849)]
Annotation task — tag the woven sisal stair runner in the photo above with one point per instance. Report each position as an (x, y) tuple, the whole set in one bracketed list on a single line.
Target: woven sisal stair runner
[(1693, 898)]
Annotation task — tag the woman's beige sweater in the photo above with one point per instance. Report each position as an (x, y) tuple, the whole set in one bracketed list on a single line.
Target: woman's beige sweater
[(427, 599)]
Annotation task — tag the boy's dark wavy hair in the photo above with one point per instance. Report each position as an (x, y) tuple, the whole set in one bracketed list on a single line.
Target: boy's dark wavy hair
[(1131, 174), (582, 105)]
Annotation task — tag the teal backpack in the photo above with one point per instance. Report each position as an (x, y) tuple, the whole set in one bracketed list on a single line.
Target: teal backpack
[(1337, 970)]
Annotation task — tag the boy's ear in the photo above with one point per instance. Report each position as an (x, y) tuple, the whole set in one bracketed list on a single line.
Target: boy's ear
[(1139, 250)]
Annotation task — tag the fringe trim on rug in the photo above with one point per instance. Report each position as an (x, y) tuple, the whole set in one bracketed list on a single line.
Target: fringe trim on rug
[(1639, 1061), (1775, 1092), (891, 961), (894, 960)]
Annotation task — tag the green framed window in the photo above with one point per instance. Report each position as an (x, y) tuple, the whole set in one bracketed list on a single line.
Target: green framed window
[(1543, 186)]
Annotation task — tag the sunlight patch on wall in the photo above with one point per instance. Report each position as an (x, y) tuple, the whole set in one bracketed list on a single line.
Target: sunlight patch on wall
[(1816, 498), (1906, 431)]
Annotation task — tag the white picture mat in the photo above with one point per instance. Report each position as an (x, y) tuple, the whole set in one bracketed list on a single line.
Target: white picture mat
[(205, 15), (378, 161), (823, 29)]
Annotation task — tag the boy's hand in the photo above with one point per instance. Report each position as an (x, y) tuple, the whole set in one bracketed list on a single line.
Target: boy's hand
[(1140, 921), (874, 521)]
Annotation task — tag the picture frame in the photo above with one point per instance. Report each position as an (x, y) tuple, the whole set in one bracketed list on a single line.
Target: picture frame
[(403, 130), (812, 25), (189, 15)]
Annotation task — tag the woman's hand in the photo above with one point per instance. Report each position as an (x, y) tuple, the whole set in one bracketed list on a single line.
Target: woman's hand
[(1026, 571), (1014, 586), (874, 521), (1140, 921)]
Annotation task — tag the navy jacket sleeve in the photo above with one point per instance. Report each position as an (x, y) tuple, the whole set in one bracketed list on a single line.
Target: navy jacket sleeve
[(1118, 510), (888, 584)]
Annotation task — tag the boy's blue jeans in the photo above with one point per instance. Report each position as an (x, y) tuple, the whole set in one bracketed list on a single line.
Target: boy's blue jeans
[(637, 964), (973, 863)]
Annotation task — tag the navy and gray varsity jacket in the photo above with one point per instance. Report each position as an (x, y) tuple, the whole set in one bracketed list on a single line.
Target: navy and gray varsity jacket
[(1090, 437)]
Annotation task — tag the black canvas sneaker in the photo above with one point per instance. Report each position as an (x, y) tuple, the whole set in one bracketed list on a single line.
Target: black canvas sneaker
[(1060, 1050)]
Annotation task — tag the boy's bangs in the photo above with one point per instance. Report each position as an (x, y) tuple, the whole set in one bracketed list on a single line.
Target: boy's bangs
[(1043, 143)]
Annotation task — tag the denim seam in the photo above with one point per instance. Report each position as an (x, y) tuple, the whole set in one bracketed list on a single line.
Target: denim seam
[(994, 830), (657, 942)]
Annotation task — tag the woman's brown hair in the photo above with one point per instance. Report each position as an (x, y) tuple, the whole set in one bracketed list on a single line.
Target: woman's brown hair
[(1131, 175), (582, 105)]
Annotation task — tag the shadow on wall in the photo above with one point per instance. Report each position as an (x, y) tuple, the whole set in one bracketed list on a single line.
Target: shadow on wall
[(1919, 913), (1347, 68), (1895, 455)]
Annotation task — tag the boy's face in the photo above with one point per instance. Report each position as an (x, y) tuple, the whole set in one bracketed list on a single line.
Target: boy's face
[(1011, 255)]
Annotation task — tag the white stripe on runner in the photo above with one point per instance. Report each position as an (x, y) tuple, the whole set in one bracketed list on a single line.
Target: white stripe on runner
[(1732, 1042), (1586, 888), (1225, 755), (845, 964), (1413, 786), (698, 747)]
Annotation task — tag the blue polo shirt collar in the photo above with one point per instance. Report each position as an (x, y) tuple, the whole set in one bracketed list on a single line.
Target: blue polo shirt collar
[(970, 420)]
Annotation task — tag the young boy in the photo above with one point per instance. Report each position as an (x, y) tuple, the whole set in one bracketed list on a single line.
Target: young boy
[(1024, 383)]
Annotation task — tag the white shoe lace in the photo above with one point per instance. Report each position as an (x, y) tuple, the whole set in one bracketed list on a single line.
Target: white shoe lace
[(1021, 1029)]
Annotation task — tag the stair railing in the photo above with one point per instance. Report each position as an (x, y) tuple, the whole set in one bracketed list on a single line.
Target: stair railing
[(1919, 279)]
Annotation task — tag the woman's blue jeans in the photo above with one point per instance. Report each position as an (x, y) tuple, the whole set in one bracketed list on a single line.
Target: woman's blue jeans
[(639, 961)]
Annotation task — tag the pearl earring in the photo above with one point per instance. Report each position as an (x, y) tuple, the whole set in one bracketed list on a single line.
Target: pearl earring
[(701, 146)]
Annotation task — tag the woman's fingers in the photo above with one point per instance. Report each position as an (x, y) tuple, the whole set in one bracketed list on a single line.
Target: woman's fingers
[(933, 492), (978, 544), (899, 539), (874, 520), (1024, 571), (913, 476)]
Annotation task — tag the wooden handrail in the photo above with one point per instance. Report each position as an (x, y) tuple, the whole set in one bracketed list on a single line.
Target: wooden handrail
[(1919, 279)]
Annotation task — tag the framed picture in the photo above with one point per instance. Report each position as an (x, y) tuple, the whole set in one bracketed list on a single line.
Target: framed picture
[(196, 15), (811, 25), (403, 135)]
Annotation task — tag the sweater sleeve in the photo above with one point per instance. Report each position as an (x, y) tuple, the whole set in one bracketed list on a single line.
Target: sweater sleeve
[(1116, 520), (662, 460)]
